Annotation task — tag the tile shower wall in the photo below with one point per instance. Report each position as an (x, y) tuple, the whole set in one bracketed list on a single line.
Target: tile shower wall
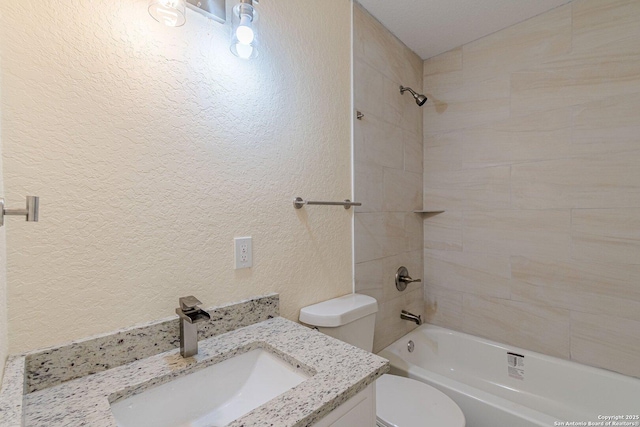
[(532, 145), (388, 174)]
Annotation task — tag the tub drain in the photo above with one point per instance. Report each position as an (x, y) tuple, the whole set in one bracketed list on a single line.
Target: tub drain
[(411, 346)]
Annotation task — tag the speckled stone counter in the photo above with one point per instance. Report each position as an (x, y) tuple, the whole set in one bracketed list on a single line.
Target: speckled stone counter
[(51, 366), (338, 372), (11, 394)]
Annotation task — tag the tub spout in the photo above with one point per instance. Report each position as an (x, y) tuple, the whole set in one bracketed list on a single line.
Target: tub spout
[(405, 315)]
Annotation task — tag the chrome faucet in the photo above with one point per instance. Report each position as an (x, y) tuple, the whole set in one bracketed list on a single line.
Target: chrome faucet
[(190, 314), (405, 315)]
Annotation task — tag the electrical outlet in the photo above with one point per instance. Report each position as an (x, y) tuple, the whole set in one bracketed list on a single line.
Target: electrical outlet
[(243, 252)]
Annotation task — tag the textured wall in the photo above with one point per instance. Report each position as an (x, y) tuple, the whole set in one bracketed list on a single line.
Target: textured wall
[(388, 174), (532, 146), (152, 147), (4, 339)]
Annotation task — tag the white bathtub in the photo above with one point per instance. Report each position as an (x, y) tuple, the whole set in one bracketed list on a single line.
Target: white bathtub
[(545, 391)]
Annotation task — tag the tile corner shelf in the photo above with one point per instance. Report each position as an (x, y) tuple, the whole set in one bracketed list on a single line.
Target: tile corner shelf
[(429, 211)]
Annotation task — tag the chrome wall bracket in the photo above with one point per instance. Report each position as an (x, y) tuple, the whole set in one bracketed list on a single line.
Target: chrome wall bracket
[(214, 9), (30, 212)]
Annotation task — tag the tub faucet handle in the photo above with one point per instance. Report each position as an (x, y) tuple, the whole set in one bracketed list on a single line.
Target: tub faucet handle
[(403, 279), (408, 279)]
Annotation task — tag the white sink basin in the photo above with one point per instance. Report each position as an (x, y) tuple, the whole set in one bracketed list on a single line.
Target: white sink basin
[(213, 396)]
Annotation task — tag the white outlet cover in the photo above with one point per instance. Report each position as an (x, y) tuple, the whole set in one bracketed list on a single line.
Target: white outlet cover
[(243, 251)]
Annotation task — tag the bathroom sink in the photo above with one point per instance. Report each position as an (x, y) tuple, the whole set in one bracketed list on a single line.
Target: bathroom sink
[(213, 396)]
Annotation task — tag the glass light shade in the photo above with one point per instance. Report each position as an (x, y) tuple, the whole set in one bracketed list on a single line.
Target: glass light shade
[(244, 43), (244, 32), (169, 12)]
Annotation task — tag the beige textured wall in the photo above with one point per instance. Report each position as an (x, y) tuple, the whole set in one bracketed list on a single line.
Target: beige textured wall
[(152, 147), (4, 319), (388, 174), (532, 145)]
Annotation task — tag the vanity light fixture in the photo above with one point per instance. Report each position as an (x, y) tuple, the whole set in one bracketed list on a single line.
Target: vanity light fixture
[(244, 41), (173, 12)]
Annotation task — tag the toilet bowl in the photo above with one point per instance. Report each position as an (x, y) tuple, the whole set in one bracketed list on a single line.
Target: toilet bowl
[(400, 402)]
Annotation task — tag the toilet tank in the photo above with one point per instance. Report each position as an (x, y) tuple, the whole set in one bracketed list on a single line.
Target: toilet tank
[(350, 318)]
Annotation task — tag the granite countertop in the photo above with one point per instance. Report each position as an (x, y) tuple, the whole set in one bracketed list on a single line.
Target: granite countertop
[(338, 372)]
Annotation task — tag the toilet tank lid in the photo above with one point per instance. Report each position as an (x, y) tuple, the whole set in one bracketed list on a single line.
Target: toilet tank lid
[(339, 311)]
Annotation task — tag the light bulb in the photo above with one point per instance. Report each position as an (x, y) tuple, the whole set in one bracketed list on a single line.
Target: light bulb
[(244, 34), (244, 50)]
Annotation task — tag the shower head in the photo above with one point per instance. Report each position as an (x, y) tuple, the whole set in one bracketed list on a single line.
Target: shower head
[(420, 99)]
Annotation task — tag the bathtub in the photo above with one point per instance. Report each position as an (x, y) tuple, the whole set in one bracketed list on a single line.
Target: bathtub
[(497, 385)]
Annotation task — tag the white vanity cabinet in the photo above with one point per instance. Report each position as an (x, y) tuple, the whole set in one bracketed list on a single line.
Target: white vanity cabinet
[(359, 411)]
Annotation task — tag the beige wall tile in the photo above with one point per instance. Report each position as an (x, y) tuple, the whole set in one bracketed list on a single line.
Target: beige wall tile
[(573, 80), (532, 327), (608, 342), (554, 102), (443, 307), (413, 152), (516, 232), (591, 181), (587, 302), (598, 22), (389, 326), (444, 199), (445, 157), (384, 52), (368, 187), (476, 273), (378, 235), (369, 276), (518, 47), (369, 89), (539, 136), (433, 139), (378, 143), (443, 73), (471, 105), (595, 277), (609, 121), (402, 191), (443, 231), (606, 235), (479, 188), (388, 153), (541, 90), (414, 232)]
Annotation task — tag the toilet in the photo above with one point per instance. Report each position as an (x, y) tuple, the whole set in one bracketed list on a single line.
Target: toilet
[(400, 402)]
